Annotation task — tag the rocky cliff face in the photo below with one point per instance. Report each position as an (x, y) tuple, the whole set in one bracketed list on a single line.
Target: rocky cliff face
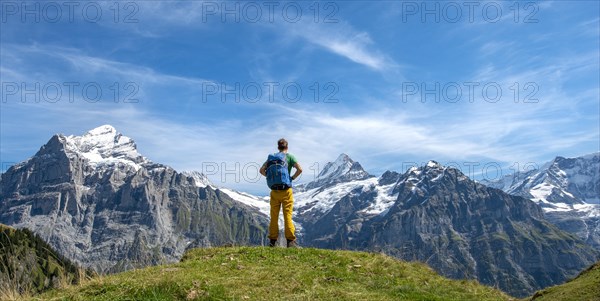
[(568, 190), (439, 216), (96, 200)]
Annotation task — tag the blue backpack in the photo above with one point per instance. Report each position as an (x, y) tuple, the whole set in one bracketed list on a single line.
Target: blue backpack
[(278, 176)]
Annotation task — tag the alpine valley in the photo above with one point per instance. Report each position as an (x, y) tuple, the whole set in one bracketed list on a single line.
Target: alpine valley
[(100, 203)]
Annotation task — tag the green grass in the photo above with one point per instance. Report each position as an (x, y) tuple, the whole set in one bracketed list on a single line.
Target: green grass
[(585, 287), (257, 273)]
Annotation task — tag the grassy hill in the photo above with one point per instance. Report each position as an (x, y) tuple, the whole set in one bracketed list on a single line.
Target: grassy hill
[(585, 287), (28, 265), (258, 273)]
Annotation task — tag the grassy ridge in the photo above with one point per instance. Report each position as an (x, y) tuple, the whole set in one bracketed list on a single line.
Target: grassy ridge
[(585, 287), (257, 273)]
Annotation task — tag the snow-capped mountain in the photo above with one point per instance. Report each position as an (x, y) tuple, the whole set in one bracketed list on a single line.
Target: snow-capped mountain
[(438, 215), (343, 169), (563, 181), (104, 146), (320, 200), (568, 189), (97, 201)]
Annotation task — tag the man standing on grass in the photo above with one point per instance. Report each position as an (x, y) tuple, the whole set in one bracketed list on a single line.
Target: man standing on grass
[(277, 169)]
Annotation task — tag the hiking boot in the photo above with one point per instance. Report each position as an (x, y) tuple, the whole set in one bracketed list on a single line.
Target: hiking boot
[(292, 244), (273, 243)]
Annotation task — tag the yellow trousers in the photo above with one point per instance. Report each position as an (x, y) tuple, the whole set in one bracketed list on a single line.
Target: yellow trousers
[(285, 199)]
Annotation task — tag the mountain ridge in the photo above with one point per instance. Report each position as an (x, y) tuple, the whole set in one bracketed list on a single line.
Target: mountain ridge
[(121, 215), (568, 189), (111, 209), (440, 216)]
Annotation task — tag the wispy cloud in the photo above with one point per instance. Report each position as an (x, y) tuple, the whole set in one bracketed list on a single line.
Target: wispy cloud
[(590, 27), (341, 39), (156, 19), (16, 55)]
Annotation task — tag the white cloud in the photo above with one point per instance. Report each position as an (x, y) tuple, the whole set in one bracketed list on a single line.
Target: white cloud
[(343, 40)]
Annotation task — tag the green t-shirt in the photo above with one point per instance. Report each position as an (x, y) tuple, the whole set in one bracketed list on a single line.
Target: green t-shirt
[(291, 160)]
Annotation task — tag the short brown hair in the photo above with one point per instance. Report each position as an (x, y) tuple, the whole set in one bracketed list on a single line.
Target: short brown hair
[(282, 144)]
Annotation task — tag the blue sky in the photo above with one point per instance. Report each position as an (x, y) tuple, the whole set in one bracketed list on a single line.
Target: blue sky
[(372, 64)]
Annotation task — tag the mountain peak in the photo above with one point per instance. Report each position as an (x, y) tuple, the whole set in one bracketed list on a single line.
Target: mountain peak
[(433, 164), (343, 158), (587, 156), (429, 167), (104, 145), (343, 169), (106, 129)]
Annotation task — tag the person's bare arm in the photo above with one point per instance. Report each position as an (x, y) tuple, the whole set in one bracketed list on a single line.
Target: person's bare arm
[(298, 171), (263, 169)]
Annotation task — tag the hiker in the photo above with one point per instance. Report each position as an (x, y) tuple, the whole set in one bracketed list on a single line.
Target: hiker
[(277, 169)]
